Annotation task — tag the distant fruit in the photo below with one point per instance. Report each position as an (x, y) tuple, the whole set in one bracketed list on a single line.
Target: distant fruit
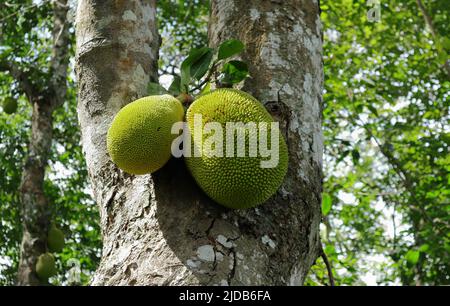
[(55, 239), (45, 266), (139, 139)]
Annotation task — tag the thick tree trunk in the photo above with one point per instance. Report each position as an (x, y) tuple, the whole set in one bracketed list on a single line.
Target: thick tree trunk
[(161, 229), (35, 208)]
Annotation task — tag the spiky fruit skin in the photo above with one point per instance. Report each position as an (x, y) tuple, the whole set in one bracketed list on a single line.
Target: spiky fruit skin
[(45, 266), (139, 139), (10, 105), (55, 239), (234, 182)]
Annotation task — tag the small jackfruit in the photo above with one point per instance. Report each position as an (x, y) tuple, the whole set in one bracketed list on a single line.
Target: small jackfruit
[(9, 105), (139, 139), (45, 266), (55, 239), (233, 181)]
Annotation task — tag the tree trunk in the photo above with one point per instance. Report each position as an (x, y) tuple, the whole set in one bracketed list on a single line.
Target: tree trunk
[(35, 207), (161, 229)]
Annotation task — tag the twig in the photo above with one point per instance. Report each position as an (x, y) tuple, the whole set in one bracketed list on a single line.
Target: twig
[(328, 265)]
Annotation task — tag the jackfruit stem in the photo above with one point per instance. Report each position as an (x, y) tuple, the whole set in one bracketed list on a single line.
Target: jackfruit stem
[(185, 98)]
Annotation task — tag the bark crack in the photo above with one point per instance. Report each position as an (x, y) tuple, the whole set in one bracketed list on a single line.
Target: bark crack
[(233, 268)]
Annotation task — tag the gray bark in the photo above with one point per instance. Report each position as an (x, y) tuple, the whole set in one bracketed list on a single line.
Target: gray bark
[(35, 207), (161, 229)]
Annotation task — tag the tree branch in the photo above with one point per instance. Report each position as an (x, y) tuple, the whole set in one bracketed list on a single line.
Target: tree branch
[(434, 33), (21, 77), (328, 265)]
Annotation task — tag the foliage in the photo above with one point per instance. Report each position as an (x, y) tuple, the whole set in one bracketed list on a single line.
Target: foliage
[(387, 163)]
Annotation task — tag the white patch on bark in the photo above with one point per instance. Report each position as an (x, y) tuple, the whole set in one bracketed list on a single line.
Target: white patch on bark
[(139, 77), (193, 263), (296, 277), (223, 282), (148, 13), (254, 14), (224, 241), (123, 254), (271, 17), (267, 241), (129, 15), (219, 256), (287, 89), (205, 253)]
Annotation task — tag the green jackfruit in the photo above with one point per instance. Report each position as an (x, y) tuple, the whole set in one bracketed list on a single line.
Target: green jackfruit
[(55, 239), (45, 266), (10, 105), (139, 139), (235, 182)]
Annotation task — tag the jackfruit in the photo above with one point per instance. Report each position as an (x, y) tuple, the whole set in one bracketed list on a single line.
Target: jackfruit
[(233, 181), (45, 266), (139, 139), (55, 239), (9, 105)]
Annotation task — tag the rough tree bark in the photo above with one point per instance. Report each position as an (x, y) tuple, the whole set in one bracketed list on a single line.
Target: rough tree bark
[(35, 207), (161, 229)]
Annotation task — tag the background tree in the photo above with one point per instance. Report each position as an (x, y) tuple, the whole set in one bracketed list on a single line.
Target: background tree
[(34, 60)]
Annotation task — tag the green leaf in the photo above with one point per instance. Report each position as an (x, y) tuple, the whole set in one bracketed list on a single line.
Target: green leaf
[(326, 203), (194, 55), (156, 89), (175, 87), (445, 41), (201, 66), (412, 256), (229, 48), (330, 250), (234, 72)]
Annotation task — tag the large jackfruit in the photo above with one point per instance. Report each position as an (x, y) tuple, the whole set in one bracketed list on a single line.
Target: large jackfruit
[(235, 182), (139, 139)]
